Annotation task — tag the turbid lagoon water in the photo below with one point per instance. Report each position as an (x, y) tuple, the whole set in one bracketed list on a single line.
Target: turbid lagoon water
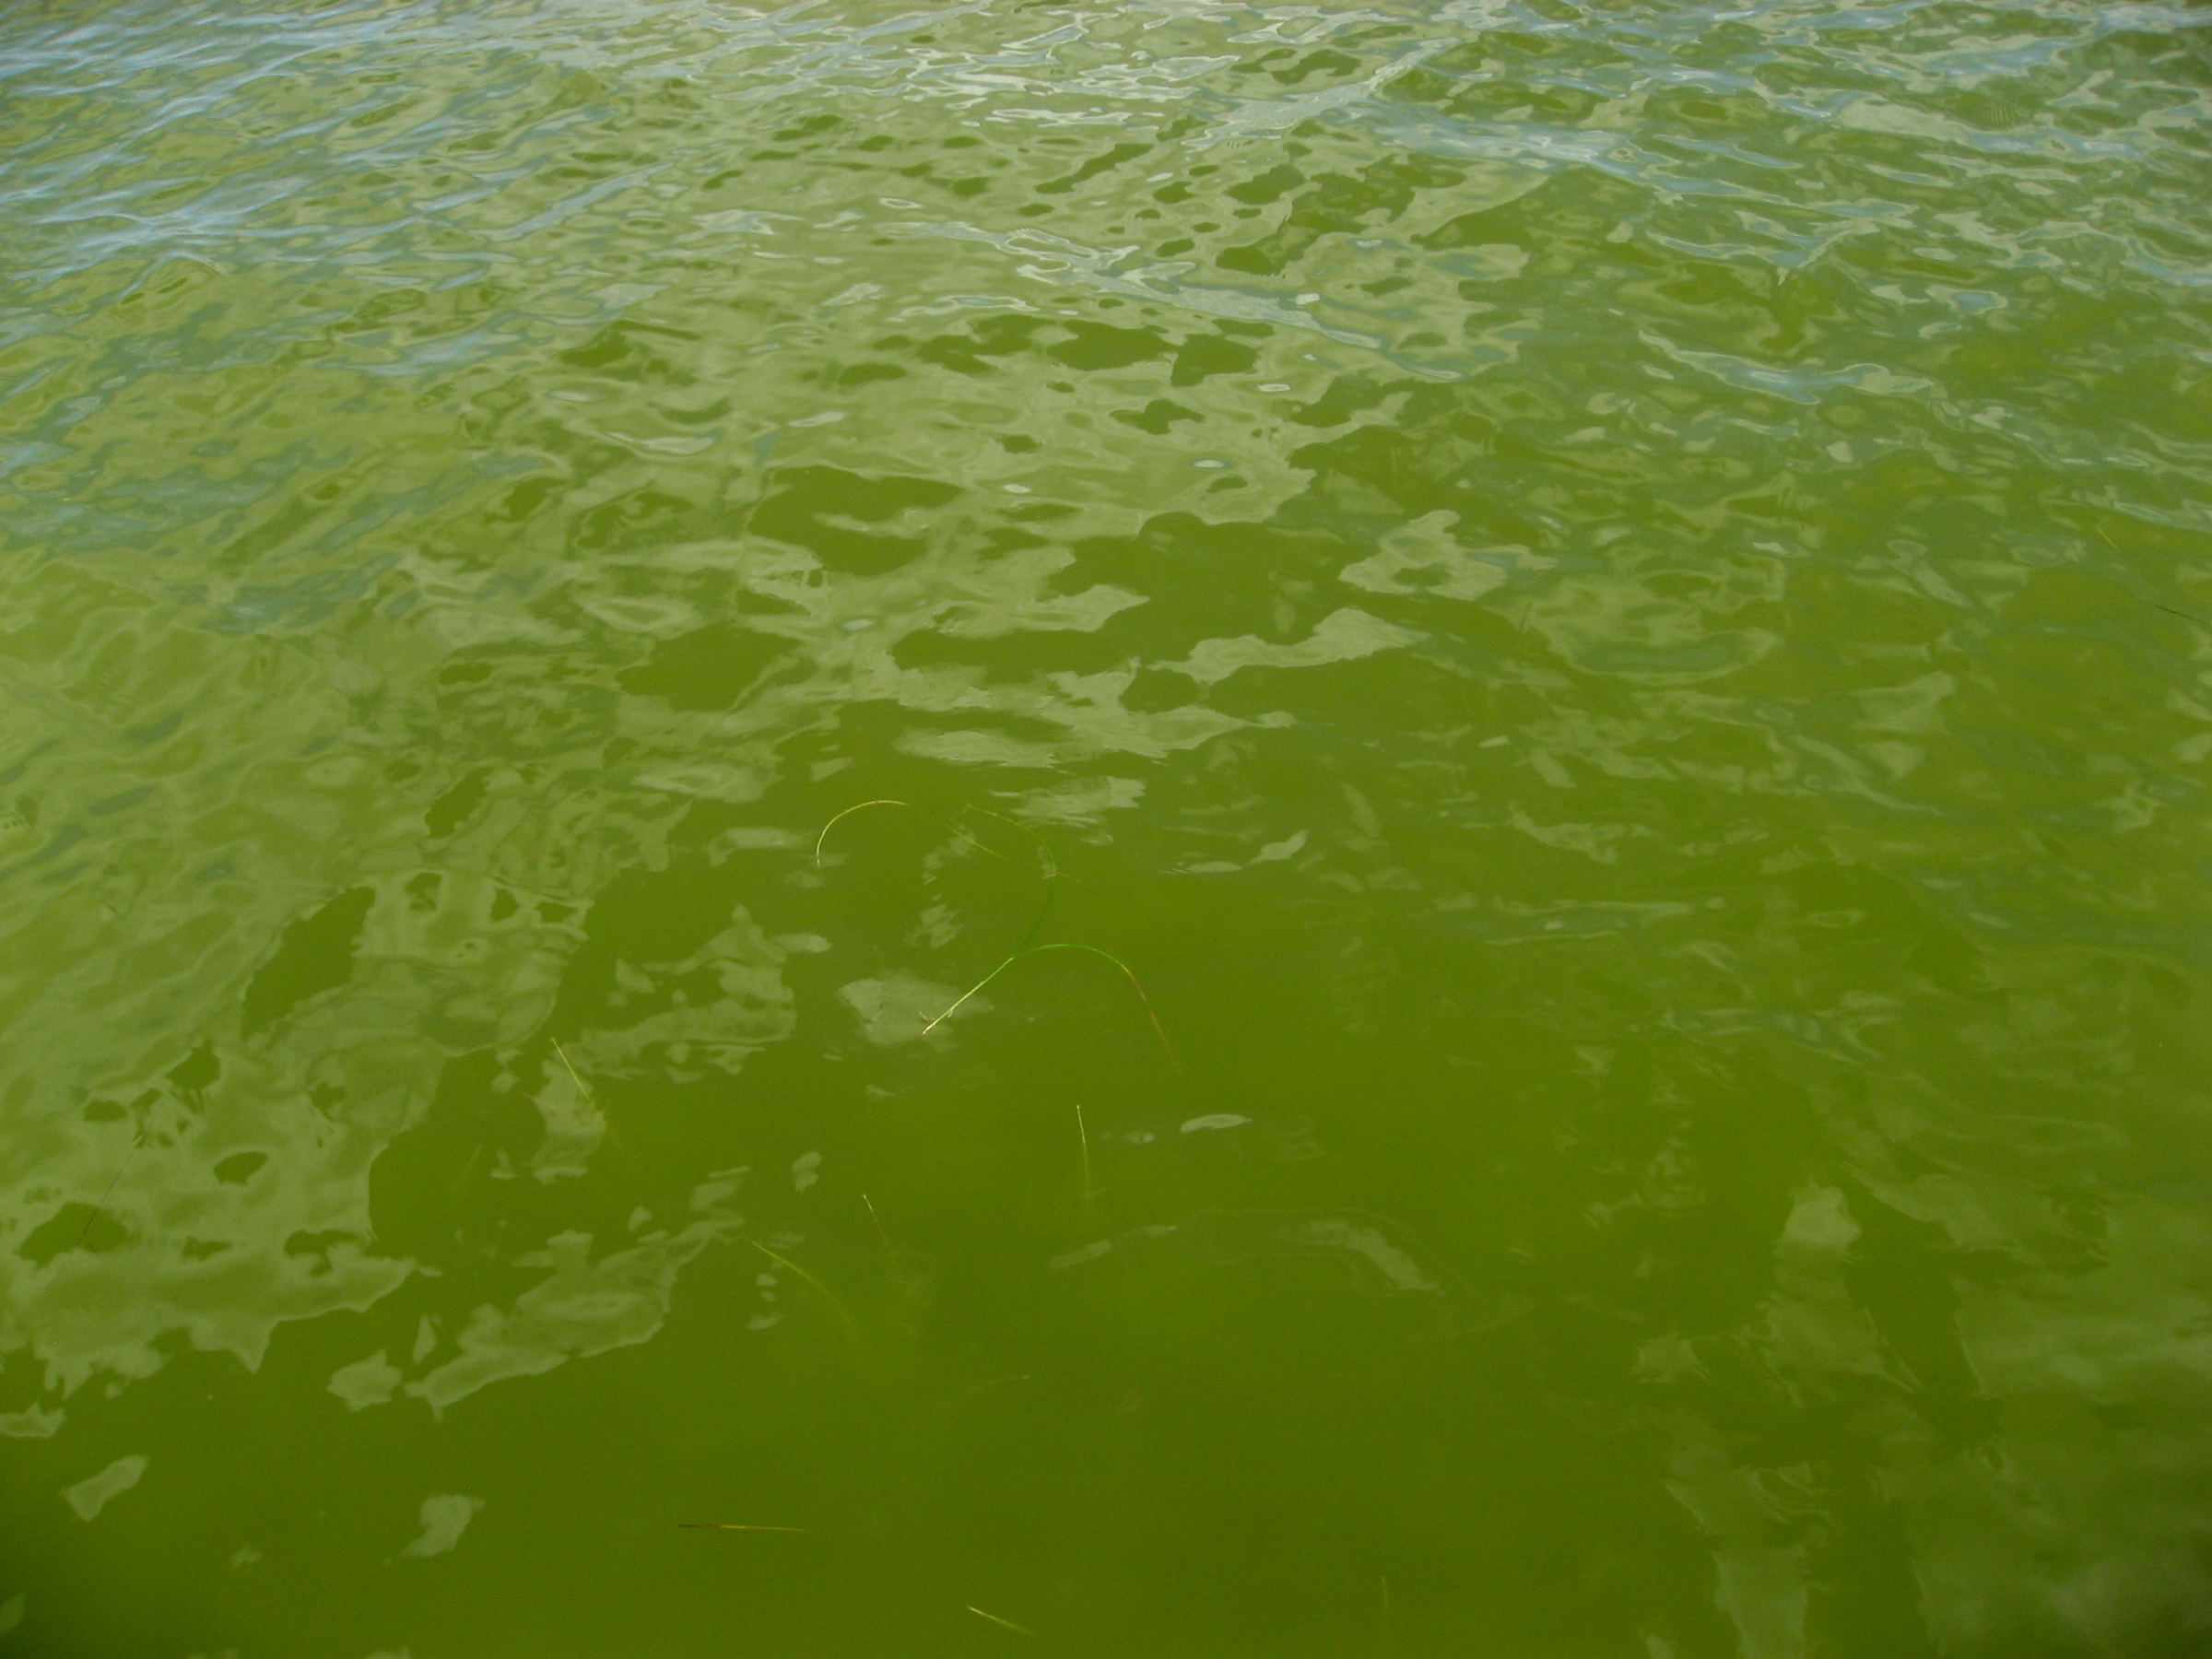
[(1586, 628)]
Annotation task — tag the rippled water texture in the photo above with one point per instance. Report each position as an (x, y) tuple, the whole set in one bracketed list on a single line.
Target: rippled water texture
[(1601, 611)]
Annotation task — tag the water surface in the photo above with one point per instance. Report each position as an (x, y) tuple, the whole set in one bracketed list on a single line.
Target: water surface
[(1607, 605)]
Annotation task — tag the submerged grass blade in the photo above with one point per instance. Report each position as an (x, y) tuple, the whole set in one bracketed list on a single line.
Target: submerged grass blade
[(571, 1065), (1051, 891), (469, 1171), (1135, 985), (878, 1220), (1048, 867), (848, 812), (84, 1231), (1085, 1133), (1027, 948), (592, 1100), (1044, 849), (860, 805), (820, 1289), (736, 1526), (994, 1618)]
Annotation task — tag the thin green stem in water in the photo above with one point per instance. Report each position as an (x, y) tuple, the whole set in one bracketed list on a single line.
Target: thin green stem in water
[(1135, 985), (860, 805), (1047, 865), (592, 1100), (1084, 1135), (820, 1289), (1051, 872), (84, 1231)]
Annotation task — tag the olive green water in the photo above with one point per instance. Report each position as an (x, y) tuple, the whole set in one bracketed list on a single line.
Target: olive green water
[(1608, 606)]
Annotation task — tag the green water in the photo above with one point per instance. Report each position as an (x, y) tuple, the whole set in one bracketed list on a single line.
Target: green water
[(1608, 607)]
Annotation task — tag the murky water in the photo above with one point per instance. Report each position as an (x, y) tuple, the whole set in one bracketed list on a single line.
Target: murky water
[(1594, 619)]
